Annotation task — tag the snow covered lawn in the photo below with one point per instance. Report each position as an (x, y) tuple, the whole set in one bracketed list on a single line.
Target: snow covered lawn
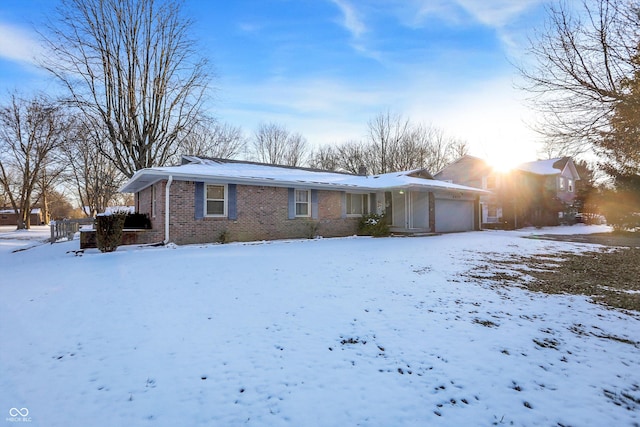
[(328, 332)]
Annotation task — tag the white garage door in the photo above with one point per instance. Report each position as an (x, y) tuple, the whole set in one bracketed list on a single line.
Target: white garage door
[(454, 215)]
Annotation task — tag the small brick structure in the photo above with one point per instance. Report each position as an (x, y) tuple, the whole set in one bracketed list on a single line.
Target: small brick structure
[(9, 217), (129, 237)]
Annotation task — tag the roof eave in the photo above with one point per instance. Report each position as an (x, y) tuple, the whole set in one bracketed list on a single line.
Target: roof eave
[(145, 178), (131, 187)]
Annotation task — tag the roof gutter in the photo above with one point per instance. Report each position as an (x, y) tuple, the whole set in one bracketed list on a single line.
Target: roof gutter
[(167, 193), (145, 177)]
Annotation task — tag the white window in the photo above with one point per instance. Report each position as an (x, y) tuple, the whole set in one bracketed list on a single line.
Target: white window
[(153, 201), (216, 200), (570, 185), (491, 182), (357, 204), (303, 203), (561, 183)]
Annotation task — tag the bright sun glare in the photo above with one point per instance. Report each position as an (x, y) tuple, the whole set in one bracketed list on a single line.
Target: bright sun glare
[(503, 163)]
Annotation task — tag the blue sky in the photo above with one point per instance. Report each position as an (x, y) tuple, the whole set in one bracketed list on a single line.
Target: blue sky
[(323, 68)]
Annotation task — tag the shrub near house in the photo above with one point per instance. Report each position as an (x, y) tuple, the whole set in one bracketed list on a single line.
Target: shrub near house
[(109, 231), (373, 225)]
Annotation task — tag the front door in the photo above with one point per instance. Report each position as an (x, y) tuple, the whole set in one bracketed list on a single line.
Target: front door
[(419, 210), (407, 210)]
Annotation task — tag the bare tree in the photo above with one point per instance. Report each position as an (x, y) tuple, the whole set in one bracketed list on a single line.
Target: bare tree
[(351, 157), (274, 144), (357, 157), (211, 138), (398, 144), (324, 157), (132, 69), (30, 132), (440, 149), (92, 176), (621, 145), (296, 152), (580, 60), (60, 206), (49, 176), (387, 133), (4, 198), (270, 142), (457, 148)]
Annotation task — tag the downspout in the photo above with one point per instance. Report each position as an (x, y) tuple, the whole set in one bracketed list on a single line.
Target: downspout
[(167, 192)]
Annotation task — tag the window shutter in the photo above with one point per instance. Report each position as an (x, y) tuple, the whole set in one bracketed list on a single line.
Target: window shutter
[(343, 205), (232, 208), (199, 200), (292, 203), (373, 203), (314, 204)]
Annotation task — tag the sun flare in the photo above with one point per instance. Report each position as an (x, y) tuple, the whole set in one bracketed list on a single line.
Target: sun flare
[(503, 163)]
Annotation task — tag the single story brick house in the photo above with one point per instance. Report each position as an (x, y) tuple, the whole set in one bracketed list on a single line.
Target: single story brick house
[(208, 200)]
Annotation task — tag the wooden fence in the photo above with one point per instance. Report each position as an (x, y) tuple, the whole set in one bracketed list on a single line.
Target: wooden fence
[(66, 228)]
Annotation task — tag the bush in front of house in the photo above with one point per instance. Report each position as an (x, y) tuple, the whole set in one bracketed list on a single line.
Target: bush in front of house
[(622, 218), (621, 205), (109, 231), (136, 220), (373, 225)]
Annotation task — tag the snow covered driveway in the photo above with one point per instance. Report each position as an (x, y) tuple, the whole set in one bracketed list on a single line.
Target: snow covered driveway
[(328, 332)]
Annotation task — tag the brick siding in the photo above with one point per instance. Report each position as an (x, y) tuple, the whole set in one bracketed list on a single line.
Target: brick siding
[(262, 214)]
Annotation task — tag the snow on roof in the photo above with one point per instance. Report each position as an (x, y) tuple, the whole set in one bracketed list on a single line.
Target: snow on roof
[(112, 209), (405, 180), (11, 211), (217, 170), (543, 167)]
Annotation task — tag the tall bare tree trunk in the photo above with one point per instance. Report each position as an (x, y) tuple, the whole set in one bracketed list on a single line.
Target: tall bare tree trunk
[(134, 72), (30, 132)]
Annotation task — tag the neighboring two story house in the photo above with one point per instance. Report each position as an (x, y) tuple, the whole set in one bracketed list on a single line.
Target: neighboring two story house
[(534, 193)]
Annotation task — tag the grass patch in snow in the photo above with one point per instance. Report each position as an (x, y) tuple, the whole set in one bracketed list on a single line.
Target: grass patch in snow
[(609, 277)]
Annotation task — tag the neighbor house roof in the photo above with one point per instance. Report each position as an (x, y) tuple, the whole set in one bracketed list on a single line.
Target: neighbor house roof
[(221, 170), (11, 211), (545, 167), (478, 163)]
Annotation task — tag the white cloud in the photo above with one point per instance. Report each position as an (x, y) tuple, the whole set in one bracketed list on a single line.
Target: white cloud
[(511, 20), (496, 13), (493, 13), (419, 10), (248, 27), (351, 19), (18, 44), (323, 110)]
